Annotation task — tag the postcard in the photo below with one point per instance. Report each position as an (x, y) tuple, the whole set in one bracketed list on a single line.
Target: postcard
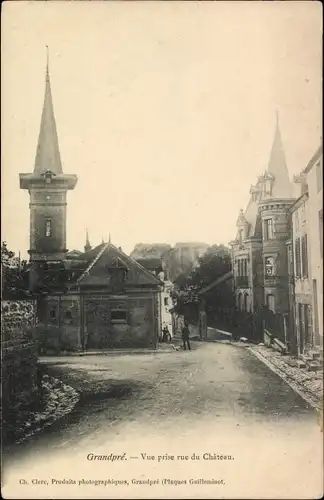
[(162, 250)]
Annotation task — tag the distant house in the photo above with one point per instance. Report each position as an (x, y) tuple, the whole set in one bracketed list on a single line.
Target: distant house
[(156, 267)]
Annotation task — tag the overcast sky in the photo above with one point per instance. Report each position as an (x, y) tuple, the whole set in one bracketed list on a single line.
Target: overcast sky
[(165, 111)]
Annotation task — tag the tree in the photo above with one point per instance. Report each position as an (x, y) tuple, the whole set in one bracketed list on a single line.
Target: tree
[(212, 265), (14, 273)]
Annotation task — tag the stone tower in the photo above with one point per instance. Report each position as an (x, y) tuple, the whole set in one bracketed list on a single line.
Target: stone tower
[(47, 187)]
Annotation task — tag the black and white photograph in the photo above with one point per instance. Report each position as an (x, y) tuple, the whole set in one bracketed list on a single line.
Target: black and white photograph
[(161, 250)]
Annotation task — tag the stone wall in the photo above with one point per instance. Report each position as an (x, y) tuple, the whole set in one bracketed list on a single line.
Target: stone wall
[(18, 318), (138, 329), (19, 361)]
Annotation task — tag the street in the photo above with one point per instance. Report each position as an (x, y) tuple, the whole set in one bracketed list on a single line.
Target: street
[(215, 398)]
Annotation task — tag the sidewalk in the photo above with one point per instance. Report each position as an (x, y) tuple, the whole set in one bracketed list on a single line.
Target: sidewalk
[(308, 384)]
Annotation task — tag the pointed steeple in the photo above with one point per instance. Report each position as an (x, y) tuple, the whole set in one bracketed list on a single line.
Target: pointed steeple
[(277, 167), (87, 246), (109, 238), (48, 153)]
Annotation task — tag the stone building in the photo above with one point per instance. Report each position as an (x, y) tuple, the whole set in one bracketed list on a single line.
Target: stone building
[(298, 269), (93, 299), (314, 178), (305, 256), (259, 257)]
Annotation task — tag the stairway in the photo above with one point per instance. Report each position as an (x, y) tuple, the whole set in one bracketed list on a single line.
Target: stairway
[(313, 360)]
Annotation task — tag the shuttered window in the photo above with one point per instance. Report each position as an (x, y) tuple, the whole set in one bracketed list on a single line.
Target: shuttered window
[(297, 258), (304, 256)]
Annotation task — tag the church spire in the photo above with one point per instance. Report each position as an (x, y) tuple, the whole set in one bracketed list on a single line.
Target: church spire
[(48, 153), (277, 166), (87, 245)]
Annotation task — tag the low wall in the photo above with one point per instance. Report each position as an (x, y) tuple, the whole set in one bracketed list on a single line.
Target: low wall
[(20, 381), (18, 318)]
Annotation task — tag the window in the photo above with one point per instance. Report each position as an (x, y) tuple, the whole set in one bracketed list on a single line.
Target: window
[(239, 301), (118, 316), (297, 258), (268, 229), (319, 176), (48, 228), (304, 255), (166, 301), (269, 266), (68, 315), (290, 261), (240, 236), (242, 267), (52, 313), (271, 302)]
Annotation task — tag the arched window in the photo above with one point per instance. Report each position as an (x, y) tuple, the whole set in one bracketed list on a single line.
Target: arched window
[(271, 302), (239, 302)]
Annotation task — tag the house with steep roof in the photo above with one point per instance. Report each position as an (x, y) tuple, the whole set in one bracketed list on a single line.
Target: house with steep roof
[(99, 298), (259, 256)]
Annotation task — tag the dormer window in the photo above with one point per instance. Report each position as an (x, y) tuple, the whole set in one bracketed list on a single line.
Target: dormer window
[(48, 228), (48, 175)]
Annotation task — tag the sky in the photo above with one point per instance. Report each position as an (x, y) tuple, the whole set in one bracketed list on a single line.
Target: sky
[(166, 111)]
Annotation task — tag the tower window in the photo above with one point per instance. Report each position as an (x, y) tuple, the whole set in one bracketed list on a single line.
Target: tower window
[(48, 228), (268, 229), (269, 266)]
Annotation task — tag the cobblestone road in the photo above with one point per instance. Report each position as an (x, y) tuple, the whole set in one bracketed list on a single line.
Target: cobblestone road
[(216, 392)]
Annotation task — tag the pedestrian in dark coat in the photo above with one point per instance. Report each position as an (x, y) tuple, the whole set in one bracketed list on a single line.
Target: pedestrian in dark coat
[(185, 337)]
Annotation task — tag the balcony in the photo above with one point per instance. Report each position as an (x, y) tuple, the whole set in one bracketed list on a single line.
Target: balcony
[(242, 281), (274, 279)]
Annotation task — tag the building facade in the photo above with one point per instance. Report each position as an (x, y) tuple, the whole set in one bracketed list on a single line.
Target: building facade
[(259, 256), (99, 298), (314, 176), (305, 251), (302, 297)]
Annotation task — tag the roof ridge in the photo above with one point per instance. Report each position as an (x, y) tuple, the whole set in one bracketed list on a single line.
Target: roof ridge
[(137, 263), (92, 263)]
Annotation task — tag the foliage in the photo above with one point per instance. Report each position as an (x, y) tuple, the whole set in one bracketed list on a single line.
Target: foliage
[(50, 277), (14, 273), (213, 264)]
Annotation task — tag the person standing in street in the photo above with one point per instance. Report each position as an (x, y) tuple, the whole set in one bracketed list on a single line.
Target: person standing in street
[(185, 337)]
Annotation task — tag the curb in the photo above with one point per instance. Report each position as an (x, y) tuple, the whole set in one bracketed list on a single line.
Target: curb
[(307, 396)]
